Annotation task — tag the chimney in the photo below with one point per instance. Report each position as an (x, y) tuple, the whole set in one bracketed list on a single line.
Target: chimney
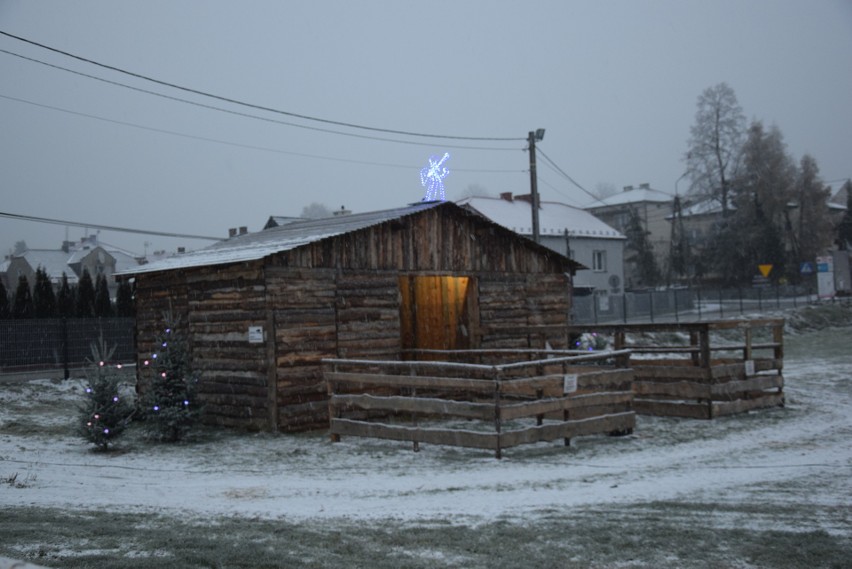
[(181, 250), (645, 186), (232, 232), (342, 211), (506, 196), (243, 230), (628, 188)]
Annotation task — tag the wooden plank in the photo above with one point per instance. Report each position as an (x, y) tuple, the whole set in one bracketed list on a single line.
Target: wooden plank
[(365, 379), (682, 389), (569, 429), (757, 383), (722, 408), (521, 410), (671, 409), (420, 405), (657, 373), (459, 438)]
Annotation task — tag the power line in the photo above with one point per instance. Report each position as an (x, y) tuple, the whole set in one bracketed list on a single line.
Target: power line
[(566, 176), (33, 218), (226, 142), (252, 105), (238, 113)]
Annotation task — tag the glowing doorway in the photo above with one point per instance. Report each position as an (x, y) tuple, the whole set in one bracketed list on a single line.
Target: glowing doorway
[(437, 312)]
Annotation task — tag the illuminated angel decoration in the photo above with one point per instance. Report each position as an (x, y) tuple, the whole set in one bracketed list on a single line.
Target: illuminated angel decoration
[(432, 178)]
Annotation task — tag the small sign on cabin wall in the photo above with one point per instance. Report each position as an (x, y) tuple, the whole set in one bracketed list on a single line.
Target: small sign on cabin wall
[(255, 334), (749, 367), (569, 383)]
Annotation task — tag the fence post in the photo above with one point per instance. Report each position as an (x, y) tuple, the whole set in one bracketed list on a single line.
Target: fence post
[(624, 305), (498, 451), (759, 300), (740, 290), (698, 291), (595, 306), (721, 308), (651, 304), (67, 372), (674, 293)]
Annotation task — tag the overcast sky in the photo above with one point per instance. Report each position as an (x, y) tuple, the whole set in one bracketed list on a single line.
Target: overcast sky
[(613, 83)]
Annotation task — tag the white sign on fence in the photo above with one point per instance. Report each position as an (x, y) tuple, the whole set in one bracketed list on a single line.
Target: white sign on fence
[(569, 383), (255, 334), (749, 367)]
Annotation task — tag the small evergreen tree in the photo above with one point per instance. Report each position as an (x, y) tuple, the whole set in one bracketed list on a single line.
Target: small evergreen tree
[(104, 414), (103, 304), (44, 299), (169, 405), (5, 309), (639, 251), (22, 305), (65, 299), (85, 305), (124, 300)]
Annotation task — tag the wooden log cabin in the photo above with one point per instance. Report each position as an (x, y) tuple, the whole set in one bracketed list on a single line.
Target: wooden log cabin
[(261, 310)]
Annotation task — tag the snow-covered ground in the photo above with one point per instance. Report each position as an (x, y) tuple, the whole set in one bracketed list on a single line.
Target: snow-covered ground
[(798, 458)]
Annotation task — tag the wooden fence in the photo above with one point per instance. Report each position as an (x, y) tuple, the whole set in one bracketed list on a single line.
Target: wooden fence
[(481, 405), (723, 368)]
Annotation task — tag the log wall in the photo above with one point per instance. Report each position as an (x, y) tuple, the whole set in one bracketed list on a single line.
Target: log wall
[(524, 311), (222, 305)]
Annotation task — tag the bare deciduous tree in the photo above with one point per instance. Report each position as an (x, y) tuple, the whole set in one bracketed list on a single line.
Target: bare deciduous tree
[(715, 143)]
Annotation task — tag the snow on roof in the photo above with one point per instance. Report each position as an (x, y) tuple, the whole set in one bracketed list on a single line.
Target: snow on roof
[(554, 217), (54, 262), (632, 196), (254, 246)]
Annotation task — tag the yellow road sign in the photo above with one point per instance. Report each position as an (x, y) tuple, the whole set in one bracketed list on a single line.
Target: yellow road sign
[(765, 270)]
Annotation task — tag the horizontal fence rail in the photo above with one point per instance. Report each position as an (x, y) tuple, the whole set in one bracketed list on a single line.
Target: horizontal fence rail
[(56, 343), (479, 403)]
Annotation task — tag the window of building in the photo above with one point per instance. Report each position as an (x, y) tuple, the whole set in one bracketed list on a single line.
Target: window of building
[(599, 261)]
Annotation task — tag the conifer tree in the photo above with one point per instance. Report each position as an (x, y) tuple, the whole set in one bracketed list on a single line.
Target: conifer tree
[(169, 405), (22, 305), (85, 302), (44, 299), (5, 309), (124, 300), (65, 299), (103, 304), (105, 412), (639, 252)]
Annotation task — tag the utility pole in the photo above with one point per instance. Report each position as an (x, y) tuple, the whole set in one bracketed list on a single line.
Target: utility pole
[(533, 137)]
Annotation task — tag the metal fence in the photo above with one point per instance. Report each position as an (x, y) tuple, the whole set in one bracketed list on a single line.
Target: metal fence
[(51, 343), (686, 304)]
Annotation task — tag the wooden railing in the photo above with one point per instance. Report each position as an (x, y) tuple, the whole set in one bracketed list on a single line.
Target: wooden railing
[(481, 405), (724, 367)]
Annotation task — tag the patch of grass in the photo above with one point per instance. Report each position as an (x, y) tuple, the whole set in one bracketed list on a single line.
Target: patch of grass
[(651, 535)]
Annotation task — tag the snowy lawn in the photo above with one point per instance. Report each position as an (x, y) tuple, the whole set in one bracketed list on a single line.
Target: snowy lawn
[(771, 488)]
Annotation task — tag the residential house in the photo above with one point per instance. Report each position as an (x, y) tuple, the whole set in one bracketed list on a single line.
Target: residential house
[(653, 208), (567, 230)]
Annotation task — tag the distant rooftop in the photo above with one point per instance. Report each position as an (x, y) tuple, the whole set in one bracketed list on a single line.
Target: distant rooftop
[(513, 212), (644, 193)]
